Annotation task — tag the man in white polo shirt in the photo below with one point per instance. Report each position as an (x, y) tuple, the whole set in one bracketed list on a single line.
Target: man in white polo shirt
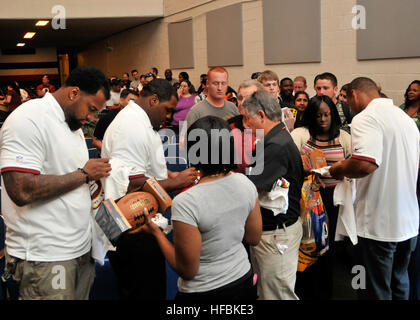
[(46, 201), (385, 161), (132, 138)]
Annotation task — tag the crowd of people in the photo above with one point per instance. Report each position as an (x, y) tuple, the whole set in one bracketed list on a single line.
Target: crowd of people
[(16, 95), (232, 239)]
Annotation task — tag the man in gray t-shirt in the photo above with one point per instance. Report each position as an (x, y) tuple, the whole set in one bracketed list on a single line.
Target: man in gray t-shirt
[(215, 103), (205, 108), (136, 82)]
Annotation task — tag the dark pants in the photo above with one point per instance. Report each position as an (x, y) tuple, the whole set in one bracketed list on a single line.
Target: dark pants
[(414, 270), (386, 266), (241, 289), (139, 266), (414, 273), (327, 195)]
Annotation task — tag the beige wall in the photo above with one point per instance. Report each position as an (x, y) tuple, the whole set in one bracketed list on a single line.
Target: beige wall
[(139, 48), (147, 46), (82, 8)]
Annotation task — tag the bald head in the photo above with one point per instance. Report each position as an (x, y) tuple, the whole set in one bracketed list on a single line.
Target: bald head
[(360, 92), (363, 84)]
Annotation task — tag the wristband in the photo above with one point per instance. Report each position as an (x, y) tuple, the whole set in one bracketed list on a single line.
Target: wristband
[(85, 173)]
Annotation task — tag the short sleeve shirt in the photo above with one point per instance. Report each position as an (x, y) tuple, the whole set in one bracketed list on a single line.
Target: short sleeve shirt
[(35, 138), (46, 88), (223, 258), (386, 203), (205, 108), (16, 100), (131, 139), (135, 85)]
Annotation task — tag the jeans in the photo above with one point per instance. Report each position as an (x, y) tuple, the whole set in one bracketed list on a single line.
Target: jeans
[(414, 271), (386, 265)]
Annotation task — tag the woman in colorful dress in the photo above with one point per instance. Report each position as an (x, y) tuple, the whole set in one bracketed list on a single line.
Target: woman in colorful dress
[(322, 131)]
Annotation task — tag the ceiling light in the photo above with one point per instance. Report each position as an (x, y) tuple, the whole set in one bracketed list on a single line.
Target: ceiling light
[(29, 35), (20, 44), (41, 23)]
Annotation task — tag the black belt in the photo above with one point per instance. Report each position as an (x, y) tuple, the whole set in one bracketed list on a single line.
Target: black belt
[(270, 227)]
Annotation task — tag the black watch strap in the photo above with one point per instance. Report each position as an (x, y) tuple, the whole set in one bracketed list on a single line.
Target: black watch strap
[(85, 173)]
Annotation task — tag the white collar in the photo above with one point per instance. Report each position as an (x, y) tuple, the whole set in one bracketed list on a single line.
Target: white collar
[(140, 112), (56, 109)]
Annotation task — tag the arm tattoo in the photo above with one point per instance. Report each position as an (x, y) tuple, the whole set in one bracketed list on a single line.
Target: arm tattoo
[(25, 188)]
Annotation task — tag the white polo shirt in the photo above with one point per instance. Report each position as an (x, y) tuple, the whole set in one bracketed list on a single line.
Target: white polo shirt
[(35, 138), (386, 203), (130, 138)]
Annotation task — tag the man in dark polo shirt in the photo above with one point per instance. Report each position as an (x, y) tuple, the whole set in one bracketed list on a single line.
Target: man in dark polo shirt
[(275, 258)]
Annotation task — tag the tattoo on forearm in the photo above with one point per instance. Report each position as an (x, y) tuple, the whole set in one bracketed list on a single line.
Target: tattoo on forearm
[(25, 188)]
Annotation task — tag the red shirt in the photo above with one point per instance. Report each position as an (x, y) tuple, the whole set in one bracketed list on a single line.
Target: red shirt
[(46, 88), (243, 143), (16, 100)]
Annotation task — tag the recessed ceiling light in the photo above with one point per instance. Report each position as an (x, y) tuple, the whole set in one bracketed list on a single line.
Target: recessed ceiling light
[(41, 23), (29, 35), (20, 44)]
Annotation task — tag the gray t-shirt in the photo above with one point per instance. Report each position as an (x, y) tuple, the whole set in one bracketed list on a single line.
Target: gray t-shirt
[(205, 108), (219, 209), (135, 84)]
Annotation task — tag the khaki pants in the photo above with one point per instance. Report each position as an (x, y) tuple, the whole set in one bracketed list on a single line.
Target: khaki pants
[(61, 280), (276, 271)]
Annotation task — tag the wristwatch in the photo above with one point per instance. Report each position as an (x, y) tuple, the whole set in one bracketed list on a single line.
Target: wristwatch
[(85, 173)]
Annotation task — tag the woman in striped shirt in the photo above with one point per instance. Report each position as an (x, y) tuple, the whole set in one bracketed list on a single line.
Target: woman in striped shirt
[(322, 131)]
